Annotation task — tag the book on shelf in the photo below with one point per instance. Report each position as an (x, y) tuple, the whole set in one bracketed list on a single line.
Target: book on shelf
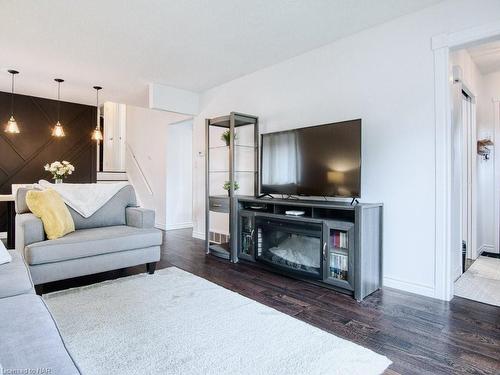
[(339, 239), (339, 265)]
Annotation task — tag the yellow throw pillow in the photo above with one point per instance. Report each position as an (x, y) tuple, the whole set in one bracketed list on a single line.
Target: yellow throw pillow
[(51, 209)]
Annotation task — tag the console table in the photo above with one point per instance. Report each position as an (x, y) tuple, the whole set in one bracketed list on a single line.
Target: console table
[(333, 244)]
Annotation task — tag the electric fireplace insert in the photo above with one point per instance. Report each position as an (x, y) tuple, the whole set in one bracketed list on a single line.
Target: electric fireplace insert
[(290, 246)]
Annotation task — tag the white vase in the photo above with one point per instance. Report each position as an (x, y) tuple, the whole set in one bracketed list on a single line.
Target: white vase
[(59, 180)]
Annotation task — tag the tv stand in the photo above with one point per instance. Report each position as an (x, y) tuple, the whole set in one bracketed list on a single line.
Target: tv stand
[(333, 244)]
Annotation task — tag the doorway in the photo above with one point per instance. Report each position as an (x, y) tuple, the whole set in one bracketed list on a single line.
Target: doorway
[(443, 45), (473, 190), (179, 186)]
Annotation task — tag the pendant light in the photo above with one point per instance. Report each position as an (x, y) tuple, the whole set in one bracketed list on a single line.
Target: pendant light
[(58, 130), (97, 134), (12, 123)]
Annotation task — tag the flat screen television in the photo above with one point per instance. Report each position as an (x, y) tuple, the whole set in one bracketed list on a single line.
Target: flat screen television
[(323, 160)]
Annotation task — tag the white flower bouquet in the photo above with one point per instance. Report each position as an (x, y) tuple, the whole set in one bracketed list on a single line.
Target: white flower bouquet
[(59, 169)]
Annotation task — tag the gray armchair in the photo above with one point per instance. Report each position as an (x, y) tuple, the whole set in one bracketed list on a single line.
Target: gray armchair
[(118, 235)]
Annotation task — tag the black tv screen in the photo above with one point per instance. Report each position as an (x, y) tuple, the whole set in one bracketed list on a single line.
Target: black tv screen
[(323, 160)]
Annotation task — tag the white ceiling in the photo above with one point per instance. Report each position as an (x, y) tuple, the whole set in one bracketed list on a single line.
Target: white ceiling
[(486, 56), (188, 44)]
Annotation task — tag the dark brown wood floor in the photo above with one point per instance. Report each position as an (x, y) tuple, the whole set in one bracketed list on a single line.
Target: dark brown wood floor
[(420, 335)]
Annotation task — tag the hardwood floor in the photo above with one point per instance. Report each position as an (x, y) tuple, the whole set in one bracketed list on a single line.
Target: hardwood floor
[(420, 335)]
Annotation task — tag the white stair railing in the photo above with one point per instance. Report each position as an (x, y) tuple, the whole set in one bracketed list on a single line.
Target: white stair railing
[(138, 167)]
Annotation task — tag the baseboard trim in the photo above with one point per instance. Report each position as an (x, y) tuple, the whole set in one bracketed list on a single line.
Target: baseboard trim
[(490, 255), (423, 290), (179, 226), (199, 235), (160, 226), (486, 248)]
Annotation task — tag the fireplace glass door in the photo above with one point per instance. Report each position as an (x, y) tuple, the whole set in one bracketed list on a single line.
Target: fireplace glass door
[(290, 246)]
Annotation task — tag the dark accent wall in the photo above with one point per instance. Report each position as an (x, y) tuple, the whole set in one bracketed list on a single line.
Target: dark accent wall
[(23, 155)]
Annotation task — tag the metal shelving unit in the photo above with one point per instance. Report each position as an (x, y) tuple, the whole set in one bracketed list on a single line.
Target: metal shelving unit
[(238, 125)]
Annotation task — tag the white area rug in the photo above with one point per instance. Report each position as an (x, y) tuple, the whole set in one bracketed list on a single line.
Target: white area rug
[(481, 282), (173, 322)]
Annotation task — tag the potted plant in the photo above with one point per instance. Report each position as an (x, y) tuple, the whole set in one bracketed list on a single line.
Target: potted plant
[(227, 186), (59, 170), (226, 137)]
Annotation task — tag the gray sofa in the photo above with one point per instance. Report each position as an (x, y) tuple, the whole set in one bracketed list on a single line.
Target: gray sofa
[(30, 341), (116, 236)]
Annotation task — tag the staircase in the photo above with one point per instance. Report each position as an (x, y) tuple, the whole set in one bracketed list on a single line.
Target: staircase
[(111, 177)]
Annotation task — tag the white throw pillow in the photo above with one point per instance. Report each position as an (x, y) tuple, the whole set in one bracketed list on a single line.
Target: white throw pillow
[(4, 254)]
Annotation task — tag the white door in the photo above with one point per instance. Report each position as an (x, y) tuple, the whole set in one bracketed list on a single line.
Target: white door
[(463, 138), (468, 118)]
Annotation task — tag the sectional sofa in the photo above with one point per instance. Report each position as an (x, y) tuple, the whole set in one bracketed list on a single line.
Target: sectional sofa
[(30, 342)]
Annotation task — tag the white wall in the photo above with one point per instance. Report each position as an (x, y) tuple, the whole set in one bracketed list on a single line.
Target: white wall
[(171, 99), (472, 77), (384, 75), (486, 199), (180, 175), (493, 89), (147, 138), (485, 172)]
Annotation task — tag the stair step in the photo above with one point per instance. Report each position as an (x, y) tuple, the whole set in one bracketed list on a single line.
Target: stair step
[(111, 176)]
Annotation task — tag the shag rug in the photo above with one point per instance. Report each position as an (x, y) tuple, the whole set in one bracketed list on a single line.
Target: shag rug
[(481, 282), (173, 322)]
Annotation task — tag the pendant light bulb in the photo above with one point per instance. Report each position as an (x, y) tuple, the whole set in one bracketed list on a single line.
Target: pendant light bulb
[(97, 134), (12, 126), (58, 130)]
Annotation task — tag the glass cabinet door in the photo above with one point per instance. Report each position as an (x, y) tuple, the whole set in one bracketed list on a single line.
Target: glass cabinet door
[(338, 254)]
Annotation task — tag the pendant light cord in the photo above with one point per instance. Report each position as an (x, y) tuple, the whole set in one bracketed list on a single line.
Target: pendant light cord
[(98, 126), (12, 97), (58, 100), (98, 123)]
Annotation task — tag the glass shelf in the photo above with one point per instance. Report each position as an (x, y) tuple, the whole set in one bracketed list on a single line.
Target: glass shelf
[(234, 171), (245, 146), (340, 250)]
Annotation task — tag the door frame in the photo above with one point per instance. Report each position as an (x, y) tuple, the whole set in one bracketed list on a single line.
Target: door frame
[(496, 167), (441, 46)]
